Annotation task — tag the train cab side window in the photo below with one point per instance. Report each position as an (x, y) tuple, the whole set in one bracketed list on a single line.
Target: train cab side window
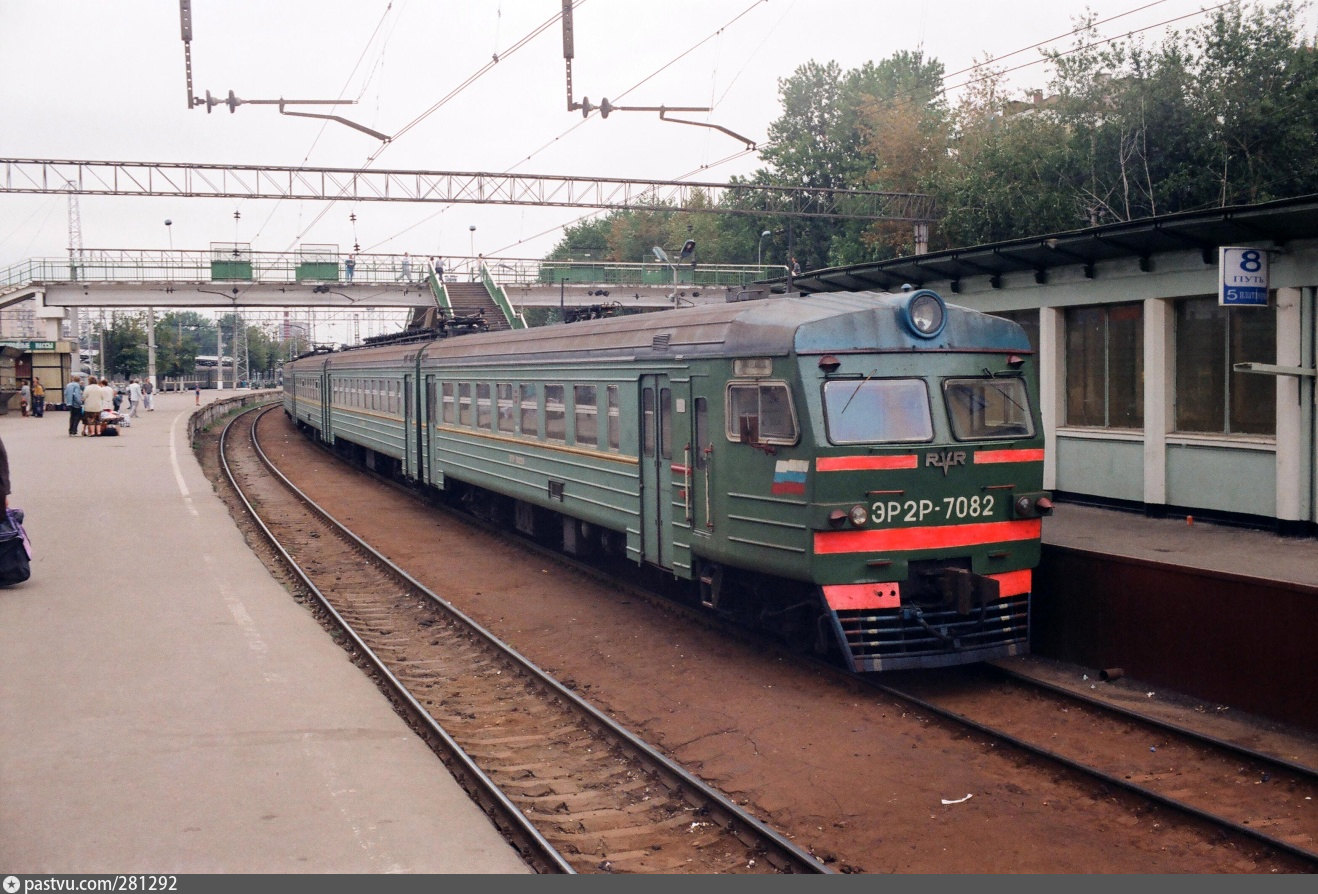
[(450, 405), (988, 408), (761, 413), (464, 403), (504, 396), (530, 412), (555, 414), (615, 418), (586, 417)]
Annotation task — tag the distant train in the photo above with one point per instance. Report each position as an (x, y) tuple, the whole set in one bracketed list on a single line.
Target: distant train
[(859, 472)]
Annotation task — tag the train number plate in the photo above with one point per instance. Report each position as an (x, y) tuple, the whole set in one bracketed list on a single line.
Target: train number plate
[(948, 509)]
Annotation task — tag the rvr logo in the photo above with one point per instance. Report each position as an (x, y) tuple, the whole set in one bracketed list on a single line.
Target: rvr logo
[(945, 460)]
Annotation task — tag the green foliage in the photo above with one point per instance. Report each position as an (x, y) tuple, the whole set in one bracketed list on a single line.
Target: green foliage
[(1219, 115)]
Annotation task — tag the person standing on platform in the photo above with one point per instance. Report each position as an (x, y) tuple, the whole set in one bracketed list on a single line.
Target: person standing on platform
[(349, 266), (148, 395), (406, 275), (38, 398), (26, 399), (196, 391), (93, 400), (134, 398), (73, 403)]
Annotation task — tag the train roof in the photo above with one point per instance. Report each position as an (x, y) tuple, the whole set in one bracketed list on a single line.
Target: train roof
[(838, 322)]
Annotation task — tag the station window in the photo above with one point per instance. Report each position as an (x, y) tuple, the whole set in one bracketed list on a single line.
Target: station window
[(555, 414), (484, 414), (1105, 366), (761, 412), (504, 396), (530, 412), (585, 413), (1210, 395)]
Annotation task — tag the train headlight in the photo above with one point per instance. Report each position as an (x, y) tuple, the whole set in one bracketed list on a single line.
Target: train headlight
[(1033, 506), (858, 515), (925, 313)]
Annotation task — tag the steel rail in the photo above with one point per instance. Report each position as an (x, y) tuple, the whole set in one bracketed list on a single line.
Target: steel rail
[(786, 854), (534, 845)]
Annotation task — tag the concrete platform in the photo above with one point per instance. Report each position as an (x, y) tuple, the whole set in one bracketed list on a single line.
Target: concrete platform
[(166, 707)]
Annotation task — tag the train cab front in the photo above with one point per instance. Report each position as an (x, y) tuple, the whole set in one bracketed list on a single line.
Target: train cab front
[(927, 506)]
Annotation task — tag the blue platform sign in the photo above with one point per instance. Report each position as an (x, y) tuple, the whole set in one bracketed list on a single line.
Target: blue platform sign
[(1244, 276)]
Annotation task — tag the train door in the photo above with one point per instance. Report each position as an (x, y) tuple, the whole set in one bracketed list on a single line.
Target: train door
[(324, 385), (425, 422), (411, 431), (656, 470)]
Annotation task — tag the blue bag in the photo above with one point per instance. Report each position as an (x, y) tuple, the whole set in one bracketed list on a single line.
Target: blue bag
[(15, 549)]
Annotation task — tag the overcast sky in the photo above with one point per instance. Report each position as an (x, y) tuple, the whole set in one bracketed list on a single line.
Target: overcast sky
[(106, 81)]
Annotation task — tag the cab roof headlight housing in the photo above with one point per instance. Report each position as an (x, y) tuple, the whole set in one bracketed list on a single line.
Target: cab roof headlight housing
[(925, 313)]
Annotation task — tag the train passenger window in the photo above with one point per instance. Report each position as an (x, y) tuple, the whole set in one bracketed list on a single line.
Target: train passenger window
[(585, 412), (555, 414), (988, 408), (877, 411), (530, 412), (430, 400), (614, 423), (504, 396), (761, 413), (450, 405), (484, 414), (464, 403)]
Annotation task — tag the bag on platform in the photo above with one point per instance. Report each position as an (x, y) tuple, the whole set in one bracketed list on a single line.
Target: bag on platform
[(15, 549)]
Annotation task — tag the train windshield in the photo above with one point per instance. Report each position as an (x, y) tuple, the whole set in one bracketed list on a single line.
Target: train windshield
[(988, 408), (876, 411)]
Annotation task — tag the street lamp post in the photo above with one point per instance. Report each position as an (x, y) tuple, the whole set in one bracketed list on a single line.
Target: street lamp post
[(472, 230), (759, 246)]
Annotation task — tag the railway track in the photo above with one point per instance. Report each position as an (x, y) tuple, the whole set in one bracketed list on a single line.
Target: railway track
[(1267, 798), (571, 789)]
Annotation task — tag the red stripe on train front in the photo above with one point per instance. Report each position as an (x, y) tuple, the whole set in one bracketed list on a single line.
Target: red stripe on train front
[(853, 597), (943, 537), (1014, 583), (1009, 456), (841, 597), (863, 463)]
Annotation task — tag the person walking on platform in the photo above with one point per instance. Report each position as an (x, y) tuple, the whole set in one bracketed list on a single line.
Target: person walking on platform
[(93, 400), (148, 395), (26, 399), (406, 275), (196, 391), (134, 398), (38, 398), (73, 403)]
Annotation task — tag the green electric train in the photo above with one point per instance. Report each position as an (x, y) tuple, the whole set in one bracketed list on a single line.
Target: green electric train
[(860, 472)]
